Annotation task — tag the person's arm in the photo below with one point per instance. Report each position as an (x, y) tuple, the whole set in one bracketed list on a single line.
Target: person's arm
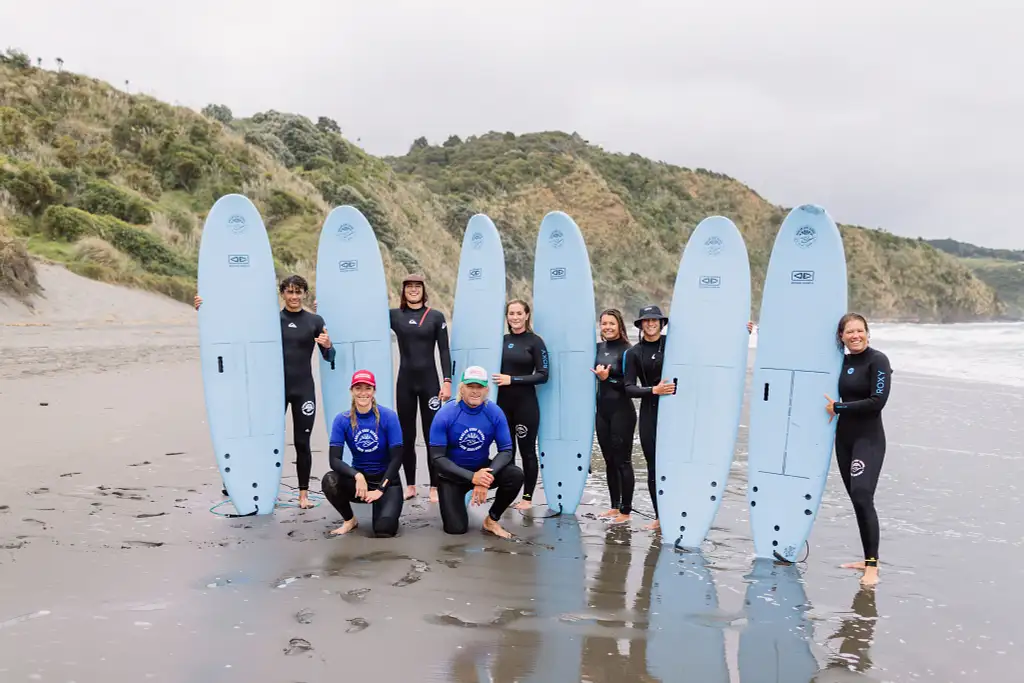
[(442, 348), (540, 363), (438, 450), (881, 374), (393, 432), (339, 432), (339, 465), (328, 352), (629, 361), (503, 439)]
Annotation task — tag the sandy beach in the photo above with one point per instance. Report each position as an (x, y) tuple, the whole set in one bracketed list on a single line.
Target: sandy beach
[(114, 568)]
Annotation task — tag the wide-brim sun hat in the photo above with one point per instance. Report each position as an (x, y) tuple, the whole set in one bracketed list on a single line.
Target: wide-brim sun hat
[(650, 313)]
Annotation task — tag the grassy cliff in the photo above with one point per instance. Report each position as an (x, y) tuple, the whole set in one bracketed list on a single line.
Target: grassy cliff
[(1001, 269), (117, 186)]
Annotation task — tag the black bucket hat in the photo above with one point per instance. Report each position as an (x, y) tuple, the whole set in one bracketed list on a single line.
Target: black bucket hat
[(650, 313)]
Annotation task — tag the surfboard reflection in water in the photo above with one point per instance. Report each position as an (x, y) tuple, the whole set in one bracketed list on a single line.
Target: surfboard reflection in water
[(684, 623), (775, 647)]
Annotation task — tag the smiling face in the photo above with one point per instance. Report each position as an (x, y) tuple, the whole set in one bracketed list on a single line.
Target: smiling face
[(362, 396), (293, 298), (652, 329), (473, 394), (855, 335), (609, 328), (414, 292), (516, 317)]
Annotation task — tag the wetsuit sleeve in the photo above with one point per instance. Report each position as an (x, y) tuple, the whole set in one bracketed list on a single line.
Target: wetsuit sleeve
[(503, 439), (438, 449), (329, 353), (339, 431), (881, 375), (339, 465), (442, 348), (629, 361), (540, 362), (393, 432)]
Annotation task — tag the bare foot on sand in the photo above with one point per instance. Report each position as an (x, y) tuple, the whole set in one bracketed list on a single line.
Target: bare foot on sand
[(523, 505), (346, 527), (410, 491), (653, 525), (610, 513), (433, 494), (621, 519), (304, 502), (853, 565), (870, 577), (493, 527)]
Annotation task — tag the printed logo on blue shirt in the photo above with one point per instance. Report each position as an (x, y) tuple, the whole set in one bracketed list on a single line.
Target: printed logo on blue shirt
[(366, 440), (471, 440)]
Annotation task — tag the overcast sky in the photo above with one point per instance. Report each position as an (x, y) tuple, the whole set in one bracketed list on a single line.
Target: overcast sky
[(901, 114)]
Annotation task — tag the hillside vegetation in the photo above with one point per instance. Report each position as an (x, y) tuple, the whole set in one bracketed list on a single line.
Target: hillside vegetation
[(1001, 269), (117, 186)]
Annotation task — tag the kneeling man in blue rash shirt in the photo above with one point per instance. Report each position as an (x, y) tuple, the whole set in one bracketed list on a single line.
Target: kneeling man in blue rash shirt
[(460, 442)]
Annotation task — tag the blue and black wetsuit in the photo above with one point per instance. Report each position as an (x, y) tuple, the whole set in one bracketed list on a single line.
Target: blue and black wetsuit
[(376, 448), (643, 363), (524, 358), (419, 331), (299, 331), (460, 443), (860, 437), (616, 424)]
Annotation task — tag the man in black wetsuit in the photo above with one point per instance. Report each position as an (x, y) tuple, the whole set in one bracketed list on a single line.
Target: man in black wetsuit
[(419, 330), (300, 331)]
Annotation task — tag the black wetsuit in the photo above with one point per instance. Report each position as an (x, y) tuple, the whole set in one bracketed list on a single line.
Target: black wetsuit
[(376, 449), (524, 358), (419, 330), (299, 331), (616, 424), (860, 438), (643, 362)]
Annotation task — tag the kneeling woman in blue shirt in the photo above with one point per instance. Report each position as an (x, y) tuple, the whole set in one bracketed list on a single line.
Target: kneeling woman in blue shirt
[(460, 441), (374, 437)]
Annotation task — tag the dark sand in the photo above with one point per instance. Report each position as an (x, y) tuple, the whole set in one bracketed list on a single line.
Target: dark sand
[(112, 567)]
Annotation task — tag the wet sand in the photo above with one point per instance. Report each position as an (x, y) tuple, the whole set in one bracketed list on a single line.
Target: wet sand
[(113, 568)]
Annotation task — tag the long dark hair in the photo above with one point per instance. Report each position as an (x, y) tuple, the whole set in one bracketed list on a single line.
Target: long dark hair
[(844, 321), (526, 309), (617, 314)]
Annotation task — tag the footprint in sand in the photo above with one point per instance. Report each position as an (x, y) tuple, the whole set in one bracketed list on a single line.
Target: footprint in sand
[(304, 616), (147, 515), (355, 596), (297, 646), (140, 544), (358, 624), (414, 575)]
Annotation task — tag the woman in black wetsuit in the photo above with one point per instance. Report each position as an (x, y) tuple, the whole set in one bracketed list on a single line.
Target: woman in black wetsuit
[(419, 330), (374, 438), (524, 365), (860, 438), (616, 416), (301, 331), (644, 362)]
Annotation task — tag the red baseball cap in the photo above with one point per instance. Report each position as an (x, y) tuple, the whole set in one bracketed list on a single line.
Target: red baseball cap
[(363, 377)]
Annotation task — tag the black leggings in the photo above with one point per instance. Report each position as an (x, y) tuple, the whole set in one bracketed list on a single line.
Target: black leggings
[(411, 392), (648, 436), (451, 496), (340, 490), (523, 415), (615, 428), (303, 403), (859, 454)]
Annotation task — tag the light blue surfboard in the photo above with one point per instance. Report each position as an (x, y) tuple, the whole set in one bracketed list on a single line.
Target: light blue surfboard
[(706, 356), (565, 318), (797, 363), (240, 353), (478, 313), (352, 298)]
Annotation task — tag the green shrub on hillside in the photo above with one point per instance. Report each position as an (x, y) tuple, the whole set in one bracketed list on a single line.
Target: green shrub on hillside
[(100, 197), (31, 188)]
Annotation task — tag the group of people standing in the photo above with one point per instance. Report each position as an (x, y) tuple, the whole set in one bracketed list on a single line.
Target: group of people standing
[(459, 432)]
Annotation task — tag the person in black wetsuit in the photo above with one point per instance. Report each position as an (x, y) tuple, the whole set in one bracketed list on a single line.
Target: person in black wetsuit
[(300, 332), (419, 330), (643, 362), (374, 438), (524, 365), (864, 386), (616, 416)]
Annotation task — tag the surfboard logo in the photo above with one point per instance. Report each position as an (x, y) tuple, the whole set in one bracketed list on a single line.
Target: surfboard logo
[(805, 236), (236, 223), (558, 273), (557, 239), (802, 277), (348, 265), (710, 281), (308, 407), (714, 245), (366, 440), (471, 440), (238, 260), (476, 273), (477, 240), (346, 231)]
